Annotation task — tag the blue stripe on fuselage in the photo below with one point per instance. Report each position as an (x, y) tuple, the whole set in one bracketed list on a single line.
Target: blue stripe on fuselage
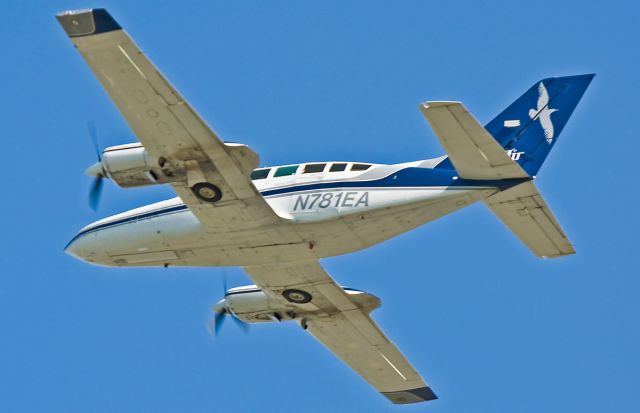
[(144, 215), (408, 177)]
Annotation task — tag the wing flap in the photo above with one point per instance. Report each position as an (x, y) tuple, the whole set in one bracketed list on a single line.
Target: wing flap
[(473, 151), (525, 212)]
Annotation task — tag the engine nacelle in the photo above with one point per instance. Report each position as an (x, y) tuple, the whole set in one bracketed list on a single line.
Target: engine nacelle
[(129, 166), (252, 305)]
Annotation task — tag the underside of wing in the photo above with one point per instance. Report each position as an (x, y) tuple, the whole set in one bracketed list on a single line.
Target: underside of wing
[(341, 322), (359, 343), (474, 153), (176, 139)]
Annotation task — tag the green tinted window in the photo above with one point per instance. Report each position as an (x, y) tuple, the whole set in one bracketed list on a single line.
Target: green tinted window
[(360, 167), (338, 167), (260, 174), (313, 168), (285, 171)]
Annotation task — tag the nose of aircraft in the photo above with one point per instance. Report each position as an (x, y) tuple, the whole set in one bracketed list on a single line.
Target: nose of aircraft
[(87, 247)]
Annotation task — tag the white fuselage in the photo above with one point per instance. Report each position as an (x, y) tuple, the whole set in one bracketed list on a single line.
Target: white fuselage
[(324, 213)]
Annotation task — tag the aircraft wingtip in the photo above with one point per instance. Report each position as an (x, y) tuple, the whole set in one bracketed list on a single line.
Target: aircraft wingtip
[(87, 22)]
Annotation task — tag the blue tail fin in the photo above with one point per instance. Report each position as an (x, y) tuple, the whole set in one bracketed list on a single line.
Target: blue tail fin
[(530, 127)]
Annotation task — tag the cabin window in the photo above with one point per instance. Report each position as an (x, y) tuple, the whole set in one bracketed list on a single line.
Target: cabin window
[(338, 167), (311, 168), (360, 167), (286, 171), (259, 174)]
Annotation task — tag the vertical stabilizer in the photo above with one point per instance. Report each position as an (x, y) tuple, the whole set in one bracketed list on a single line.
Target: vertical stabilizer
[(530, 126)]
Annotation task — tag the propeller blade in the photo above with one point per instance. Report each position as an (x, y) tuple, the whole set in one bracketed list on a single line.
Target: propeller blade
[(95, 192), (215, 325), (93, 132), (218, 320), (243, 326), (210, 326), (96, 169)]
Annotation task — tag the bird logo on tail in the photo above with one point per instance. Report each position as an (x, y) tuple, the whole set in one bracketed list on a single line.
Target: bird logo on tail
[(543, 113)]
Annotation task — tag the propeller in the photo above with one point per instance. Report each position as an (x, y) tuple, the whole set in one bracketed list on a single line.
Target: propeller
[(220, 313), (96, 170)]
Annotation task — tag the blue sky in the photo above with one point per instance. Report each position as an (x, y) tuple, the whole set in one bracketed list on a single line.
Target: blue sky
[(489, 326)]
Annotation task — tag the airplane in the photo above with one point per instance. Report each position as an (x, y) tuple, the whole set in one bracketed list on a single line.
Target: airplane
[(278, 222)]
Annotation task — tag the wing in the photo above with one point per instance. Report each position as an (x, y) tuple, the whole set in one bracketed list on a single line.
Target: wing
[(473, 151), (344, 326), (525, 212), (547, 125), (543, 96), (171, 131)]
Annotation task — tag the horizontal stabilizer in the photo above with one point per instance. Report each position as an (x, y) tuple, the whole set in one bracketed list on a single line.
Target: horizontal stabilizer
[(474, 153), (524, 211)]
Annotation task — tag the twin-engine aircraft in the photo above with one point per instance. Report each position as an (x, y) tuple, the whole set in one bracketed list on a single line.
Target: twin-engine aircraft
[(277, 222)]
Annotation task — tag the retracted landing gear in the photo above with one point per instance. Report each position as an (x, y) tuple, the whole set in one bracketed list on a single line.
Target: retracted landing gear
[(296, 296), (207, 192)]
